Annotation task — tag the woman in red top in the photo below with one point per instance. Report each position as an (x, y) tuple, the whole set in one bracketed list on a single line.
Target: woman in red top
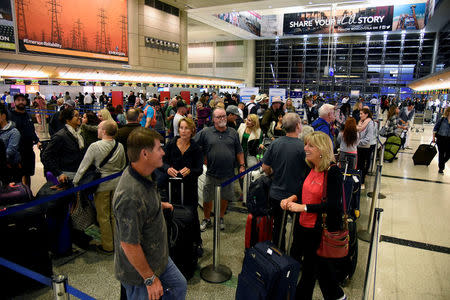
[(319, 156)]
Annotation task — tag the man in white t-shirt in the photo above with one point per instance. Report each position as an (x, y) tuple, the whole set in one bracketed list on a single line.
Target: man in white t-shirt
[(8, 100), (181, 113)]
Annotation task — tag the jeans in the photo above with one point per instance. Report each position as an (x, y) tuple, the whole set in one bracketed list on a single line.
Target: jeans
[(364, 162), (173, 282)]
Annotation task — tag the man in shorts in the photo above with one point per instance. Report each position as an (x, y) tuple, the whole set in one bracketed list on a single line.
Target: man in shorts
[(221, 147)]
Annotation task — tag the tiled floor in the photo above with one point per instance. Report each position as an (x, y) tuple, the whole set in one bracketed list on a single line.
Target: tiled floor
[(413, 210)]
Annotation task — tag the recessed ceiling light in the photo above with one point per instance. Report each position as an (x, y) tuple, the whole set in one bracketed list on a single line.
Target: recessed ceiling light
[(309, 2), (270, 6)]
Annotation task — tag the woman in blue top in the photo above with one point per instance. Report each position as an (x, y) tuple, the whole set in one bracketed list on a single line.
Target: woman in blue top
[(441, 136)]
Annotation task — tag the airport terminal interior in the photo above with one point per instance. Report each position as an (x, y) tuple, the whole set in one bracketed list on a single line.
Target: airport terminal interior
[(342, 63)]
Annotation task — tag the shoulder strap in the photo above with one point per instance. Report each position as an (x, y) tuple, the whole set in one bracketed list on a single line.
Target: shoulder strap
[(110, 154)]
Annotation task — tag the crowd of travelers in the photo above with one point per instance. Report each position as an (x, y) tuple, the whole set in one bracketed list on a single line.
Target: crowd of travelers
[(221, 132)]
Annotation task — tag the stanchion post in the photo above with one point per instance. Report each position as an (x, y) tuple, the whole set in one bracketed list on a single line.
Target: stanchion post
[(216, 241), (371, 259), (245, 187), (365, 235), (59, 285), (216, 273), (375, 154)]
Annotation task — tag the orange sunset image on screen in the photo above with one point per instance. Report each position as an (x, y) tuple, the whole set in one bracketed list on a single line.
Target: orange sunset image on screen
[(86, 28)]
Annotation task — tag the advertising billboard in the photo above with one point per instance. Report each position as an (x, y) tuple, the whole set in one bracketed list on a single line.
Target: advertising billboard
[(409, 16), (80, 28), (246, 20), (367, 19), (6, 27), (364, 19)]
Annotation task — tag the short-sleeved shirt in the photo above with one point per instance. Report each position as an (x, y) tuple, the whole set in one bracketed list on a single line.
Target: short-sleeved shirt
[(220, 149), (149, 114), (311, 194), (286, 157), (176, 120), (139, 220)]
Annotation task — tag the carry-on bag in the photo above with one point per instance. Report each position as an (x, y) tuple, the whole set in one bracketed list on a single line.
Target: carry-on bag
[(181, 229), (15, 193), (424, 154), (23, 236), (267, 272), (391, 147)]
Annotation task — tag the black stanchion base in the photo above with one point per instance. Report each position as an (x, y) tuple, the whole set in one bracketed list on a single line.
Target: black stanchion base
[(380, 195), (364, 235), (215, 275)]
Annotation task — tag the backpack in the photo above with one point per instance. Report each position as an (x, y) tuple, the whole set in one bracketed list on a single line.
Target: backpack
[(153, 120), (258, 197)]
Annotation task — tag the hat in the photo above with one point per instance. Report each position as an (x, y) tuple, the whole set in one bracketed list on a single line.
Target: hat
[(232, 109), (277, 99), (70, 103), (261, 97)]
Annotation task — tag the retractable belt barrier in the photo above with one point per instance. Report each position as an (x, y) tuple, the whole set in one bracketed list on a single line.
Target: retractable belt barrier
[(34, 275), (42, 279), (14, 209), (217, 273)]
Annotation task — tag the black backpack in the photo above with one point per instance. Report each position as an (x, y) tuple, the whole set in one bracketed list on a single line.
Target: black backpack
[(258, 197)]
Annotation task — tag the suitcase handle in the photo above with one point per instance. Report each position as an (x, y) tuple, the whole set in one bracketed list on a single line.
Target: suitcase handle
[(291, 234), (177, 180)]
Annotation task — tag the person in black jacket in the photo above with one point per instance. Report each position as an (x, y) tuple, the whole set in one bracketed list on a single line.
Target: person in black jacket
[(320, 157), (184, 159), (28, 137), (65, 151)]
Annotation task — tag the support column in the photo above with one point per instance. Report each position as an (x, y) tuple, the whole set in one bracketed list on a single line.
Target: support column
[(250, 62), (133, 33), (435, 53), (183, 41)]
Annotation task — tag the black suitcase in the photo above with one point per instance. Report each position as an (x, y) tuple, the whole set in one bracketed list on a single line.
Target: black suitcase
[(181, 229), (58, 220), (424, 154), (23, 236), (268, 273)]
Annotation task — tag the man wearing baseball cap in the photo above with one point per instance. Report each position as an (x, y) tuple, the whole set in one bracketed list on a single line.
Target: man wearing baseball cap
[(272, 113), (233, 118)]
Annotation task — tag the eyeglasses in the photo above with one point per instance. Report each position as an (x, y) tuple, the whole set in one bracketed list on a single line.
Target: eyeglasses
[(220, 117)]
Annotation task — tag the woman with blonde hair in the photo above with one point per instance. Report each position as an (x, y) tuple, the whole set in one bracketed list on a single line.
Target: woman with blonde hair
[(320, 157), (289, 106), (251, 138), (183, 158), (104, 115)]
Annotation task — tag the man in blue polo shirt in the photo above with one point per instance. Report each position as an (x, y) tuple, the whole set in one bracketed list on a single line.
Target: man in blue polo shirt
[(326, 118), (149, 111)]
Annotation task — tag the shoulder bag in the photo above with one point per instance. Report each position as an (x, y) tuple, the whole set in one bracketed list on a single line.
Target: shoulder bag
[(333, 244), (93, 173)]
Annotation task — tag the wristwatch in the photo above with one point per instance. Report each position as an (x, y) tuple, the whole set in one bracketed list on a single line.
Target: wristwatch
[(149, 281)]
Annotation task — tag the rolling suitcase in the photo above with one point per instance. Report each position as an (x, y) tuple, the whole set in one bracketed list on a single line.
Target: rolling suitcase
[(14, 194), (258, 229), (23, 236), (268, 273), (424, 154), (182, 231)]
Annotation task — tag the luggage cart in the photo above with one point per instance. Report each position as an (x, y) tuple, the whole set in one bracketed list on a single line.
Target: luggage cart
[(418, 123), (428, 116)]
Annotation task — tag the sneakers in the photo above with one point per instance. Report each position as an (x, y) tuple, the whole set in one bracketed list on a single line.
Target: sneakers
[(441, 171), (222, 224), (205, 224)]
